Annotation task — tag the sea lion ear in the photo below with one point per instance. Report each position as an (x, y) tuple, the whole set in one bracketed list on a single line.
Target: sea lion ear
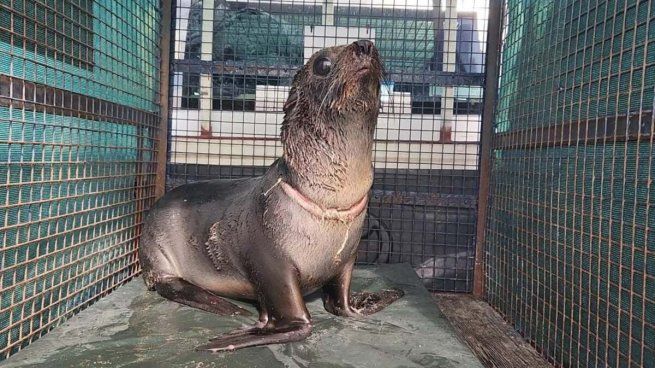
[(291, 100)]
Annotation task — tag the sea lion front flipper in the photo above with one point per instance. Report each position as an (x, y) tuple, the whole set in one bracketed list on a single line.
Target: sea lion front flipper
[(283, 313), (338, 300), (336, 293), (184, 292), (255, 336)]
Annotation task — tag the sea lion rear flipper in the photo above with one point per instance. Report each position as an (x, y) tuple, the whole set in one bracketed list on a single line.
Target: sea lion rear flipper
[(338, 300), (182, 291)]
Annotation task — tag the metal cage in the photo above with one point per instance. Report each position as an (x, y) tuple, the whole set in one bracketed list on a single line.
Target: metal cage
[(231, 70), (513, 155), (570, 253), (79, 118)]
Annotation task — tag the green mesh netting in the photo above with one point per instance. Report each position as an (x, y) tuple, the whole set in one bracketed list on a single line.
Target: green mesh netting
[(249, 34), (255, 36), (570, 249), (68, 197), (570, 61)]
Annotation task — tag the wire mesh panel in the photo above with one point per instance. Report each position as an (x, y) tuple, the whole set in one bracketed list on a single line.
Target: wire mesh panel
[(78, 117), (570, 246), (232, 67)]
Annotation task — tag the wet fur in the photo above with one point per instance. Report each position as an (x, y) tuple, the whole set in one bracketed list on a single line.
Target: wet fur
[(328, 124)]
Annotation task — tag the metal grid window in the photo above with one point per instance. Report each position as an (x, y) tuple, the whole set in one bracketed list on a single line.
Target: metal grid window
[(570, 249), (78, 119), (233, 62)]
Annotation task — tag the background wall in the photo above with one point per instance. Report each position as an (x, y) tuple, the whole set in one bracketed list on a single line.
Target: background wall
[(78, 117)]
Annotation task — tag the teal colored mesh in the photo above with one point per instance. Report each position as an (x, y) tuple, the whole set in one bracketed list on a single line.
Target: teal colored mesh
[(276, 38), (405, 45), (70, 198), (570, 247), (125, 70), (567, 61)]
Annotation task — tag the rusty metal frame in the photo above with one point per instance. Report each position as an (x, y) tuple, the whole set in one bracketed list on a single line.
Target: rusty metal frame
[(632, 127), (492, 68), (165, 57), (22, 94)]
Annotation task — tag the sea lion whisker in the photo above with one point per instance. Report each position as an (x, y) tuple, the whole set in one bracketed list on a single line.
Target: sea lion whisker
[(325, 96), (329, 92)]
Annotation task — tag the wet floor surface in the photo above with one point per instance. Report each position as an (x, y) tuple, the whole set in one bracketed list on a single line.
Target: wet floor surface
[(133, 327)]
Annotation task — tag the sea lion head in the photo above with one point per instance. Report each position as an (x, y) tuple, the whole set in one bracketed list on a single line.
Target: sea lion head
[(341, 80), (331, 114)]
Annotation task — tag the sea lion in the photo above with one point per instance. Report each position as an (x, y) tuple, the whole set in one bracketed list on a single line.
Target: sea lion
[(276, 238)]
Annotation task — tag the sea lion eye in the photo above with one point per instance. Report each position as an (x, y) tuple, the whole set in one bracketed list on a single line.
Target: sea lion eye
[(322, 66)]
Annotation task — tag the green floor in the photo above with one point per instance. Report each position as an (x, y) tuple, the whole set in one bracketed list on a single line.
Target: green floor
[(135, 328)]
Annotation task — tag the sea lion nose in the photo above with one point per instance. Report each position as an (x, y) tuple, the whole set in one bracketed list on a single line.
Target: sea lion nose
[(364, 47)]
